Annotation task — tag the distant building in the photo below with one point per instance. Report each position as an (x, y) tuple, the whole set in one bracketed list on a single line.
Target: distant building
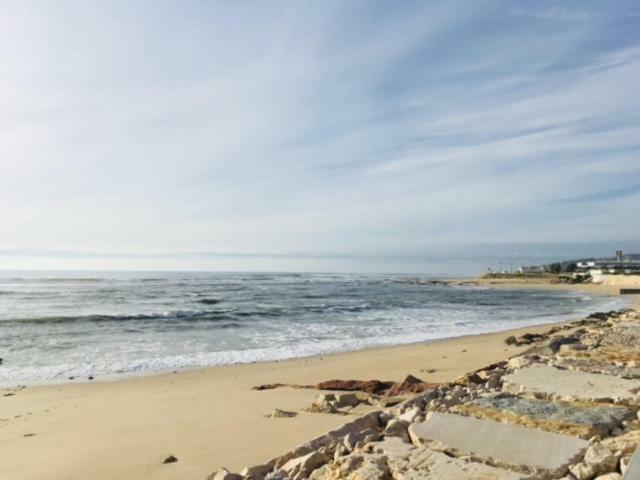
[(619, 263), (596, 275), (584, 265), (532, 269)]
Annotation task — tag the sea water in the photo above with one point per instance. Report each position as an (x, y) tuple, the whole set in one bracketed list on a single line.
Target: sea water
[(54, 326)]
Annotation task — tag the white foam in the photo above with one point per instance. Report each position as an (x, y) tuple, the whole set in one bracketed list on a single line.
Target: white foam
[(59, 351), (282, 347)]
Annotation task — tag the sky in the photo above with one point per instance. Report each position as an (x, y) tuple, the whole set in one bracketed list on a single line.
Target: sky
[(332, 135)]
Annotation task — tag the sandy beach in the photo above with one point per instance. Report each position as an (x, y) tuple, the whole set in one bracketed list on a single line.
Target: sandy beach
[(240, 240), (210, 417)]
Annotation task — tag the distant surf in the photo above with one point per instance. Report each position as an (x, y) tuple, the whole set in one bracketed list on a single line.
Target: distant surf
[(53, 327)]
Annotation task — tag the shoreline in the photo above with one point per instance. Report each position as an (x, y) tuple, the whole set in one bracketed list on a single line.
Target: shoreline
[(460, 282), (120, 377), (209, 417)]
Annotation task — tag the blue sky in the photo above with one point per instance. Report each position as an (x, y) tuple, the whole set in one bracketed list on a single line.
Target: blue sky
[(166, 134)]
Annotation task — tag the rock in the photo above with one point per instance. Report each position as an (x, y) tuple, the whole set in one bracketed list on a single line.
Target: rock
[(427, 464), (268, 386), (529, 338), (329, 440), (170, 459), (510, 340), (624, 463), (277, 413), (545, 381), (325, 403), (410, 384), (522, 361), (352, 440), (277, 475), (369, 386), (419, 401), (397, 428), (347, 400), (393, 447), (632, 470), (578, 419), (573, 347), (340, 451), (325, 398), (610, 476), (625, 444), (301, 467), (520, 447), (557, 342), (493, 381), (410, 415), (224, 474), (257, 472), (469, 379), (595, 363), (385, 401), (597, 460), (354, 467)]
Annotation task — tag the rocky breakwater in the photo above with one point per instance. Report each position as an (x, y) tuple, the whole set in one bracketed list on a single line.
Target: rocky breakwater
[(567, 408)]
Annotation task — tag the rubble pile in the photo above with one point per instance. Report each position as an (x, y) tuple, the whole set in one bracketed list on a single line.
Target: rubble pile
[(567, 408)]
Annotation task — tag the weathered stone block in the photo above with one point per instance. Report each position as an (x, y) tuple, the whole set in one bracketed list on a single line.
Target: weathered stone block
[(427, 464), (545, 381), (579, 419), (632, 470), (525, 449)]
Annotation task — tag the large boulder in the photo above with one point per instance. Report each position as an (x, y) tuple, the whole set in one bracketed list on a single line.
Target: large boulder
[(300, 468), (624, 444), (597, 460), (257, 472), (397, 428), (224, 474), (354, 467)]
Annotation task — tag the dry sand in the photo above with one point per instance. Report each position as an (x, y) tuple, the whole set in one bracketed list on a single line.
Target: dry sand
[(208, 417)]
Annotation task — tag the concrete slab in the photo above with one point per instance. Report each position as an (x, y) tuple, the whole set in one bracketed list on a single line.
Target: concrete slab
[(427, 464), (612, 356), (597, 366), (528, 450), (625, 335), (550, 382), (633, 470), (578, 419), (393, 446)]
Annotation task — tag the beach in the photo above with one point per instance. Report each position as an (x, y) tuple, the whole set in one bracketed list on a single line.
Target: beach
[(209, 417)]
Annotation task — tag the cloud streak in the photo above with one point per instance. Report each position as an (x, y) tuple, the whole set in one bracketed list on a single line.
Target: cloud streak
[(317, 129)]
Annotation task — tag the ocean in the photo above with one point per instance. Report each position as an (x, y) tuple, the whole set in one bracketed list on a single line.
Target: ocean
[(54, 326)]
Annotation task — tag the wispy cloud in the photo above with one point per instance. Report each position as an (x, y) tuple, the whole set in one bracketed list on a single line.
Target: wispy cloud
[(603, 195), (317, 129), (556, 13)]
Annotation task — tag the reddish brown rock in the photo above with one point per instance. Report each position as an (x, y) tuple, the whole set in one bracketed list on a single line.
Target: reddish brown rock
[(269, 386), (410, 384), (369, 386)]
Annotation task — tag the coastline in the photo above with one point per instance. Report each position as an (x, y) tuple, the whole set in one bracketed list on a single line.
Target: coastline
[(209, 417), (597, 290)]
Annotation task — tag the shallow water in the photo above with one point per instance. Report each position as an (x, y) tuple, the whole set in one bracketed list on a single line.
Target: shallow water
[(54, 326)]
